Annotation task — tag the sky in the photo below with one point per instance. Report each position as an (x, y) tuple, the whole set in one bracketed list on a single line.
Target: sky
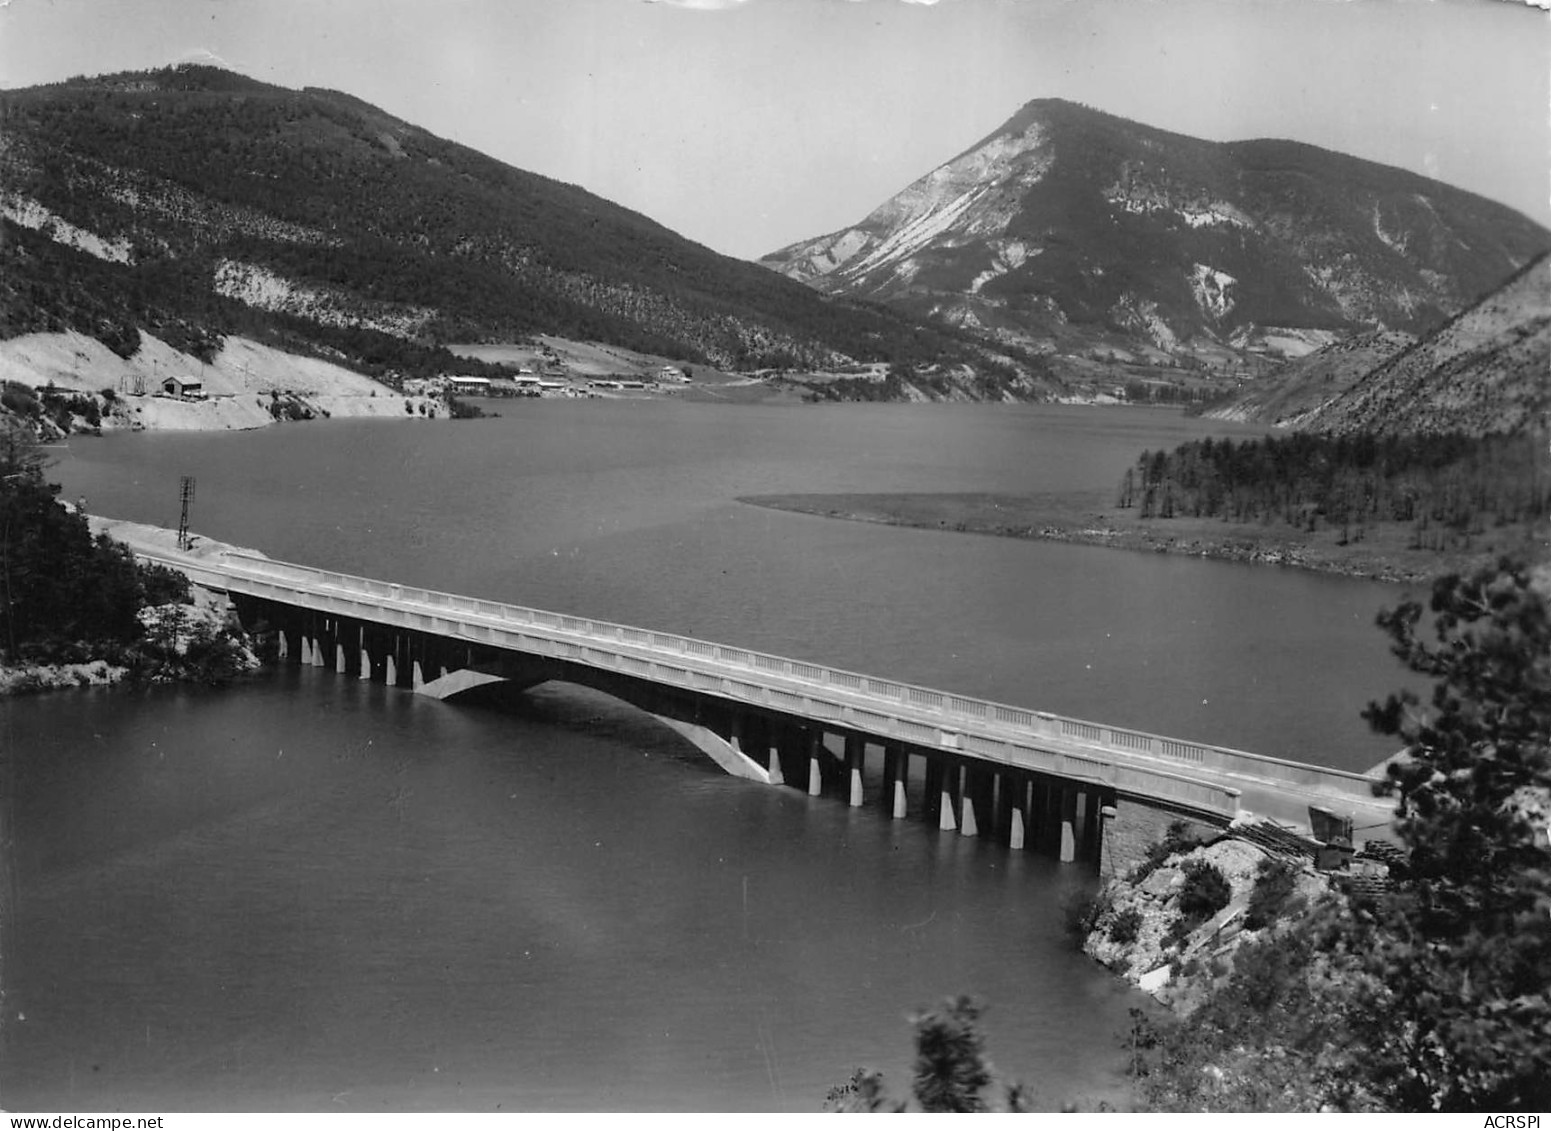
[(750, 124)]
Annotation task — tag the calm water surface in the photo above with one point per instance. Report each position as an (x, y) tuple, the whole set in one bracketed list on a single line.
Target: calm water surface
[(312, 893)]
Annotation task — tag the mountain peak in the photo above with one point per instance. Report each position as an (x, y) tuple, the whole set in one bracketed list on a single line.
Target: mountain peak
[(1069, 229)]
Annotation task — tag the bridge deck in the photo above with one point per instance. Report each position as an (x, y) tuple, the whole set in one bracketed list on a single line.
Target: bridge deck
[(1196, 776)]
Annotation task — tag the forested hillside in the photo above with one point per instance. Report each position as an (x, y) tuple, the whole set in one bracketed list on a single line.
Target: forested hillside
[(195, 202)]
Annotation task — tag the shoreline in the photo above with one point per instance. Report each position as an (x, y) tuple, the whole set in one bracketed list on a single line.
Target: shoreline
[(206, 608), (1082, 518)]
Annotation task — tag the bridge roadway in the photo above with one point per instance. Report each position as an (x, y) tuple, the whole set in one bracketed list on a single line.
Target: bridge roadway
[(1176, 776)]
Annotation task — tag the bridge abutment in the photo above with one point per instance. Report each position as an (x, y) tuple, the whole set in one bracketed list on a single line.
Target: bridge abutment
[(1135, 828)]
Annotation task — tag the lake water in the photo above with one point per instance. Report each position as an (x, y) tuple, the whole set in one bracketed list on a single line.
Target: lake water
[(317, 894)]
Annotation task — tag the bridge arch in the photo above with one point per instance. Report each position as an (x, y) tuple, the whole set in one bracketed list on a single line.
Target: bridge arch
[(714, 733)]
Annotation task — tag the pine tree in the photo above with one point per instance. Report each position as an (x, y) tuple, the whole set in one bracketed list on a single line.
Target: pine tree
[(1459, 1011)]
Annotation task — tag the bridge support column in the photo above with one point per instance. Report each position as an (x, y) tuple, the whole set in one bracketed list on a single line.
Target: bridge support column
[(1068, 814), (776, 776), (931, 788), (896, 770), (428, 665), (382, 643), (855, 754), (284, 649), (1093, 832), (815, 769), (390, 674), (320, 641), (339, 658), (1047, 804), (403, 663), (737, 732), (1018, 810), (946, 803), (1001, 806), (968, 788)]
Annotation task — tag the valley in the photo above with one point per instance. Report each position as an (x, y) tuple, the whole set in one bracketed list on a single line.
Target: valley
[(318, 890)]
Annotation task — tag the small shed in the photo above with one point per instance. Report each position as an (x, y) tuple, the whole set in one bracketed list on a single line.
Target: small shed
[(178, 387)]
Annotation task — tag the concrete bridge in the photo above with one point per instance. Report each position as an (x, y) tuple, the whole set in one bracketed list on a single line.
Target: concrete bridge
[(1073, 788)]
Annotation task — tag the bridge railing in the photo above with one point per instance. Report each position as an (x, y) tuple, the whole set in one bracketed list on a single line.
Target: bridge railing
[(1186, 756)]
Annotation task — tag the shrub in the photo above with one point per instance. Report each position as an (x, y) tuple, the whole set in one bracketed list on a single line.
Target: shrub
[(1082, 912), (463, 410), (1275, 883), (162, 585), (1179, 930), (1206, 891), (1177, 838), (1123, 927), (21, 400)]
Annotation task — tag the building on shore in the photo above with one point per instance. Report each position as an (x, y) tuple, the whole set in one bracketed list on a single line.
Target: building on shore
[(179, 387)]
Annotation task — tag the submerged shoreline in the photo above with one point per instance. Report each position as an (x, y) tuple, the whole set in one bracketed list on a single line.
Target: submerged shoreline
[(1083, 518)]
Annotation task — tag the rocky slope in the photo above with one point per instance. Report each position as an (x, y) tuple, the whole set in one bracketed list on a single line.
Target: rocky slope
[(1163, 928), (67, 382), (1305, 384), (1070, 229), (1487, 370), (195, 203)]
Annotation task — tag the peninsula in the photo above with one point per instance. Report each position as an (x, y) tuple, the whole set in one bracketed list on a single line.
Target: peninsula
[(1386, 551)]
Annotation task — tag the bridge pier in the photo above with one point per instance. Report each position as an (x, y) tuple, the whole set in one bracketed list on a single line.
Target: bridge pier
[(1001, 804), (1071, 811), (379, 643), (947, 796), (896, 772), (785, 745), (322, 641), (735, 731), (406, 664), (777, 776), (816, 753), (969, 790), (855, 755), (1023, 808)]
